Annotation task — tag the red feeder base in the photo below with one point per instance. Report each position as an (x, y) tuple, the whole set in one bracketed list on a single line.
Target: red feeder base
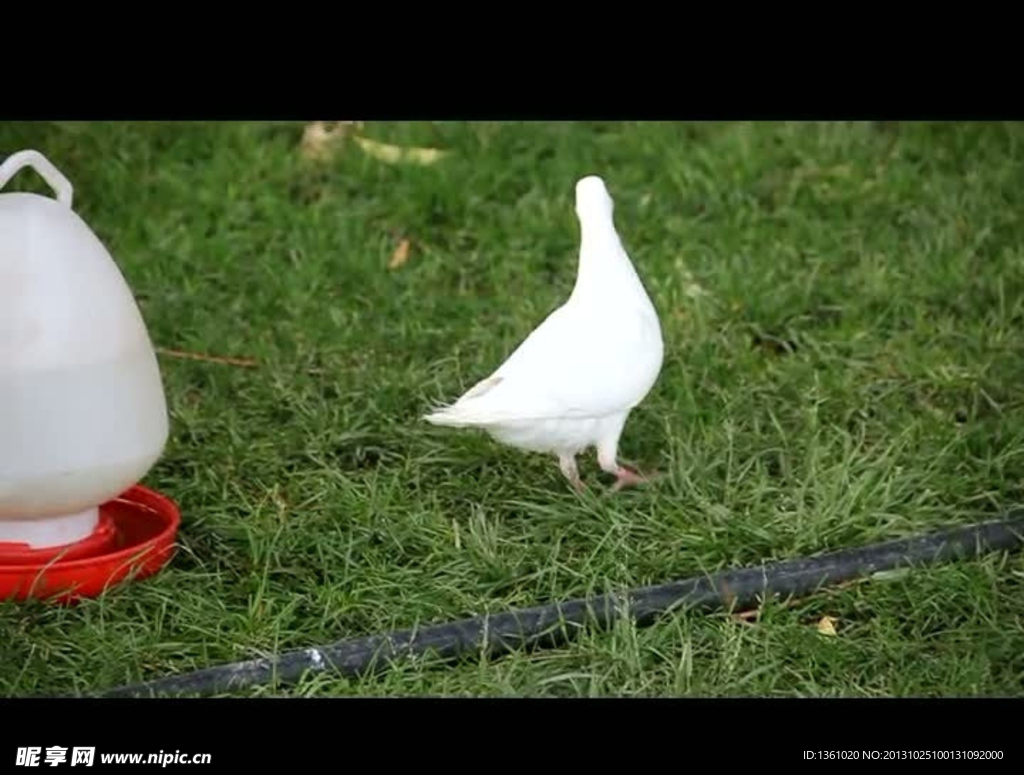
[(134, 538)]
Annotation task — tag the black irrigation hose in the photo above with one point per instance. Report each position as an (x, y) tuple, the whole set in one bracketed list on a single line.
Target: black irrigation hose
[(548, 625)]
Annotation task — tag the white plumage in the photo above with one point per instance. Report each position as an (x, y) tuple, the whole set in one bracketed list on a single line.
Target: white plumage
[(573, 382)]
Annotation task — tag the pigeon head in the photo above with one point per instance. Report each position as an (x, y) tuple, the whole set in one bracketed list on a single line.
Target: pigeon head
[(592, 199)]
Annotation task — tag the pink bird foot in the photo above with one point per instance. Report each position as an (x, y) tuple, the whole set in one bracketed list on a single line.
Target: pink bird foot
[(627, 476)]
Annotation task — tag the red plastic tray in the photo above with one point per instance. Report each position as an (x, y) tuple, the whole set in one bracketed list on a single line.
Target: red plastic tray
[(134, 539)]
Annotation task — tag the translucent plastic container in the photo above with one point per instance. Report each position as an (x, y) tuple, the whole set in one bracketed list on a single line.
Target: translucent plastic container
[(82, 409)]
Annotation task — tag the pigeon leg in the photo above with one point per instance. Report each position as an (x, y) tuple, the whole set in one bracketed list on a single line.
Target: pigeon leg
[(625, 476), (568, 465)]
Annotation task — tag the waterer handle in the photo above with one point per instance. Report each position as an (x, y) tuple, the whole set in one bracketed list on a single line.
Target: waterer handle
[(17, 161)]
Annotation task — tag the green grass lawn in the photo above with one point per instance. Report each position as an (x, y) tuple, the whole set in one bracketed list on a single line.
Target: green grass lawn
[(842, 307)]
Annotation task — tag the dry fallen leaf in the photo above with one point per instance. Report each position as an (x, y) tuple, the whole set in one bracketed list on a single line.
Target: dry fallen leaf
[(749, 618), (319, 140), (890, 575), (827, 625), (400, 256), (395, 154)]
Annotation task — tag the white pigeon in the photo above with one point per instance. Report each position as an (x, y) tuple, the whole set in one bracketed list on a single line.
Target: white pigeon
[(573, 382)]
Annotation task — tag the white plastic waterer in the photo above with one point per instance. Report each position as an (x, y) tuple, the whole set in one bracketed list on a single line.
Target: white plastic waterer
[(82, 409)]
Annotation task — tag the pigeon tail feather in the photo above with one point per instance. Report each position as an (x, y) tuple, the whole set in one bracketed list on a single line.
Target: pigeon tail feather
[(465, 412), (470, 413), (445, 415)]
